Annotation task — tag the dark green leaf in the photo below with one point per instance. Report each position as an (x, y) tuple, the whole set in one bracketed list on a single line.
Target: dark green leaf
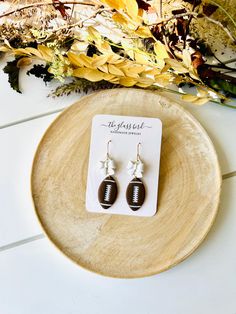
[(193, 2), (143, 5), (209, 9), (13, 74), (92, 49), (228, 87), (41, 71), (217, 80)]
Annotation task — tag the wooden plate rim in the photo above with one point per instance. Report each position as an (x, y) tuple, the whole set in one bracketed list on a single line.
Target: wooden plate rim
[(178, 261)]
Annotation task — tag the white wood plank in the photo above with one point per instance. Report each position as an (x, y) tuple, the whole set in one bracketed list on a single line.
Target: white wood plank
[(33, 101), (220, 124), (18, 145), (36, 278)]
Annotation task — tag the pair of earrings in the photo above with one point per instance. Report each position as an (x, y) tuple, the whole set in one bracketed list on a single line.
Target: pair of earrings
[(135, 193)]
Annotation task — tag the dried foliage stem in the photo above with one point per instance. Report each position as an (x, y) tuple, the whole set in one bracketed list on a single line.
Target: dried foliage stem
[(81, 22), (230, 61), (222, 26), (72, 10), (188, 24), (224, 104), (176, 16), (172, 91), (226, 13), (43, 4), (160, 9)]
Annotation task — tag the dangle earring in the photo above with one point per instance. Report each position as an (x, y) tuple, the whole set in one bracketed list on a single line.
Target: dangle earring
[(107, 191), (135, 193)]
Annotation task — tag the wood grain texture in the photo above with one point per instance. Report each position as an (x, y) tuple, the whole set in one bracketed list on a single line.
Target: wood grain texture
[(123, 246)]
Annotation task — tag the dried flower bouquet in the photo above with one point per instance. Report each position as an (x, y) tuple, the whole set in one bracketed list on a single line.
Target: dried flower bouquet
[(119, 43)]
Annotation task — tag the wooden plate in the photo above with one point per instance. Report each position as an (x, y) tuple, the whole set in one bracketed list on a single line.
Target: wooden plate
[(123, 246)]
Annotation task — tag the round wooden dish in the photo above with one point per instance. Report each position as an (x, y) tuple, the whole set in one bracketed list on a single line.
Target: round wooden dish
[(124, 246)]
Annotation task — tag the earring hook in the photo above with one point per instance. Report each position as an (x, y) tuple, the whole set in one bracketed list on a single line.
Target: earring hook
[(108, 152), (138, 151)]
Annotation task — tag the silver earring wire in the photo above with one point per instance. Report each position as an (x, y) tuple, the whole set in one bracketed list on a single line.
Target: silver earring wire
[(108, 146), (138, 151)]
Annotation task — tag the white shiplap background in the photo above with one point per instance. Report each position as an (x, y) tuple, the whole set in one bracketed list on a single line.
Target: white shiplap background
[(35, 278)]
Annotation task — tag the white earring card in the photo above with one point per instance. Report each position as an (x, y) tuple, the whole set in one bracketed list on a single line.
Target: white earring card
[(124, 133)]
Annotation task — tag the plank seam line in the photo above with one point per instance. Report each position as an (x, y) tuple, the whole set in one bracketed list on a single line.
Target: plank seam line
[(42, 236), (229, 175), (31, 118), (21, 242)]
